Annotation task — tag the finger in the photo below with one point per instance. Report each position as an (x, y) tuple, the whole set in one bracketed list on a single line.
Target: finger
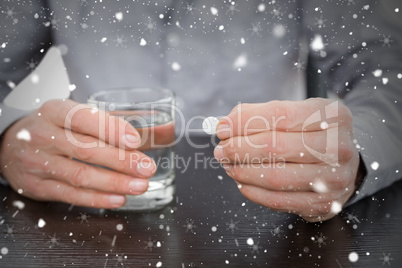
[(306, 204), (308, 115), (85, 119), (308, 147), (81, 175), (287, 177), (51, 190), (132, 163)]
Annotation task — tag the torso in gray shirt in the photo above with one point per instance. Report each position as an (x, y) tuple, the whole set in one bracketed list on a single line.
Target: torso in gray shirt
[(212, 54)]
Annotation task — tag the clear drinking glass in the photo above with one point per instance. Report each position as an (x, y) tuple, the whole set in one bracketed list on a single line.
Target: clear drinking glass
[(151, 112)]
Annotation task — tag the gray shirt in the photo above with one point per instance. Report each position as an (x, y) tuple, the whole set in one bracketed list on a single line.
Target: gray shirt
[(214, 54)]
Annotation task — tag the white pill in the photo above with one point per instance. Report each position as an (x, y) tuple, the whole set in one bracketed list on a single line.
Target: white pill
[(209, 125)]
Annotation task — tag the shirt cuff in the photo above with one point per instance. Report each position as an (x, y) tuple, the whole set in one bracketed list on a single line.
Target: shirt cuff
[(8, 115)]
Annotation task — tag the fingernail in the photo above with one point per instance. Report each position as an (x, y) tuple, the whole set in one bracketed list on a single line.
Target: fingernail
[(138, 185), (223, 131), (146, 168), (218, 152), (117, 200), (131, 140)]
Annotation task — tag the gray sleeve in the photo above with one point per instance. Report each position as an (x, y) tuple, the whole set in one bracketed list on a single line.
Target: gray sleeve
[(356, 51), (25, 35), (8, 115)]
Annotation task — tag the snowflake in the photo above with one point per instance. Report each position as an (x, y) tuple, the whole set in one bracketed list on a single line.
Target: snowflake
[(386, 259), (55, 23), (232, 8), (120, 258), (10, 14), (84, 2), (386, 40), (84, 217), (150, 25), (31, 65), (320, 22), (190, 226), (232, 225), (276, 12), (319, 239), (120, 41), (53, 241), (255, 249), (351, 218), (276, 231), (150, 244), (256, 29), (9, 231), (189, 8)]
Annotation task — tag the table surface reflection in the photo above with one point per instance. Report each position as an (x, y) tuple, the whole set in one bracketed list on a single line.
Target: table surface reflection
[(209, 224)]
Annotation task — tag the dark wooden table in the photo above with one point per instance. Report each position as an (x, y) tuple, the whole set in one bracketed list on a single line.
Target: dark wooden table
[(209, 224)]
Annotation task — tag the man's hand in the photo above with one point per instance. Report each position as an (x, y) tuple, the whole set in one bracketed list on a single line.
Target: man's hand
[(296, 157), (39, 156)]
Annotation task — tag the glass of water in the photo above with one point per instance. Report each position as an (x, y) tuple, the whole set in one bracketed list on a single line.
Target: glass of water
[(151, 112)]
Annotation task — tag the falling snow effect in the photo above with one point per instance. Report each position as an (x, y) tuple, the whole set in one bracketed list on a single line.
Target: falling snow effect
[(19, 204), (254, 246), (319, 186), (256, 29), (53, 241), (119, 16), (84, 218), (351, 218), (386, 259), (4, 251), (24, 134), (232, 225), (276, 231), (10, 14), (176, 66), (336, 207), (317, 44), (353, 257), (232, 8), (386, 40), (377, 73), (31, 65), (150, 244), (120, 41), (374, 165), (320, 240), (72, 87), (143, 42), (9, 231), (119, 227), (41, 223), (240, 62), (210, 20), (190, 226)]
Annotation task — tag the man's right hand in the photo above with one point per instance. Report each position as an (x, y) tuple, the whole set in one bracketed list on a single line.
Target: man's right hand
[(38, 155)]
